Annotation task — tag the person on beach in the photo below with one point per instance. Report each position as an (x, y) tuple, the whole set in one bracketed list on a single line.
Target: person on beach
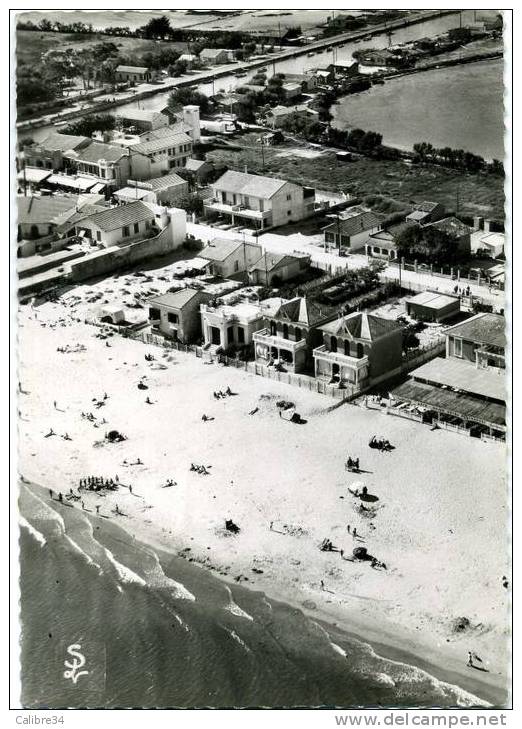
[(354, 532), (322, 588), (50, 493), (97, 509), (60, 497), (54, 403), (470, 659), (130, 489), (348, 528), (342, 553), (83, 505), (271, 525)]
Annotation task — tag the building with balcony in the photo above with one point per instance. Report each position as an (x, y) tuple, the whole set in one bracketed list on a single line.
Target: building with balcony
[(166, 150), (357, 349), (291, 334), (108, 164), (227, 257), (176, 314), (230, 325), (49, 153), (259, 202)]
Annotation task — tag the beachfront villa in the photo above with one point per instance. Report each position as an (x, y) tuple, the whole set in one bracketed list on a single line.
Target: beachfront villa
[(291, 334), (259, 202), (233, 324), (466, 390), (358, 349), (176, 314)]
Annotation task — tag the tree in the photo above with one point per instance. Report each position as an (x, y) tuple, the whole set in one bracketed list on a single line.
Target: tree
[(157, 28), (187, 96), (192, 204), (85, 126)]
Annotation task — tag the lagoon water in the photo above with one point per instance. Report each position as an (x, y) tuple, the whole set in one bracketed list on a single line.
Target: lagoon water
[(459, 107), (157, 631)]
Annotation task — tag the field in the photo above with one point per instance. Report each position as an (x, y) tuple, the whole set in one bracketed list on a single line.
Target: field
[(478, 195), (31, 45)]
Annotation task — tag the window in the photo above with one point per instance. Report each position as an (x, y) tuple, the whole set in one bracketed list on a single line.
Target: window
[(457, 347), (298, 334), (289, 212), (333, 344), (154, 314), (289, 197), (246, 201), (98, 236), (347, 347), (172, 318), (125, 231), (136, 227), (285, 331), (240, 335), (360, 350), (273, 328), (236, 265)]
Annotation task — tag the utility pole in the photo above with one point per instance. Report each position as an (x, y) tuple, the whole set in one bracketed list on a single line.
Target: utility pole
[(262, 154), (458, 200)]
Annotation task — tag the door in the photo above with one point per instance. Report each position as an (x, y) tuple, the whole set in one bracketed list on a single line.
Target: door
[(215, 335)]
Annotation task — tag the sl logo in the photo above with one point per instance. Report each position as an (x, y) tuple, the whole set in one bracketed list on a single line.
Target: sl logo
[(75, 665)]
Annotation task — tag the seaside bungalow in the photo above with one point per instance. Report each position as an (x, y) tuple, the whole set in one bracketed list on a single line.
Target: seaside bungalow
[(274, 268), (228, 258), (189, 58), (307, 82), (488, 242), (216, 56), (233, 324), (49, 153), (176, 314), (259, 202), (279, 115), (358, 349), (144, 120), (431, 306), (457, 231), (351, 232), (383, 244), (291, 334), (466, 389), (166, 190), (116, 225), (137, 74), (426, 212)]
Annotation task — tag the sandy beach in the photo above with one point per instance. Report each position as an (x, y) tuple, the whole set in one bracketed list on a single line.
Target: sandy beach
[(440, 508)]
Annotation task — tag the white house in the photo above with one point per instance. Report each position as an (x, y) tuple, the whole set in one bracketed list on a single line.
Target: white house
[(166, 190), (259, 202), (353, 229), (228, 257)]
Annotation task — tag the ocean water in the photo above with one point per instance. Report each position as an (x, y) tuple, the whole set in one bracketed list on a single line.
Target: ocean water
[(158, 631)]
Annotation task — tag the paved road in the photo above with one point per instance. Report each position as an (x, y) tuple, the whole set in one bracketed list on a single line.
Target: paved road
[(311, 244)]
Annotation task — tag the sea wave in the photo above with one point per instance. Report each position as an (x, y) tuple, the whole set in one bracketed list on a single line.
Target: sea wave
[(234, 608), (83, 553), (125, 574), (42, 541), (237, 638), (160, 579)]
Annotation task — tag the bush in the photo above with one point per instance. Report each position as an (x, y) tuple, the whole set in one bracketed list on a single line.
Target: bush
[(193, 245)]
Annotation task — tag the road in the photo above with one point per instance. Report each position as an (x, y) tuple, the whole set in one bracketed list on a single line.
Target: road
[(146, 90), (331, 261)]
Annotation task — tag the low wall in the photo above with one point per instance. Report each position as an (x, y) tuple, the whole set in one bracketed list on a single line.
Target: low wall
[(116, 257)]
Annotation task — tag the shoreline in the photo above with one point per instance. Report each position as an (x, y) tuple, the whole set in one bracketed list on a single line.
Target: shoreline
[(385, 644)]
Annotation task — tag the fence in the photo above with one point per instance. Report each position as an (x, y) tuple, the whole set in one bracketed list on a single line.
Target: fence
[(404, 413), (454, 274)]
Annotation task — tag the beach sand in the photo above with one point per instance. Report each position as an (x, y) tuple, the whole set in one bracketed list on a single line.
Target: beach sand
[(441, 513)]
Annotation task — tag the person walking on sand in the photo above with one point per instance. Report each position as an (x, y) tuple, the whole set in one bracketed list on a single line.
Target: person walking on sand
[(50, 494), (97, 509), (130, 489), (271, 525), (60, 497), (348, 528), (354, 532), (83, 506), (470, 659), (322, 588), (54, 403)]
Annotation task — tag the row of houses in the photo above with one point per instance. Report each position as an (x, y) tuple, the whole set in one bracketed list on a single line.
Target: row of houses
[(296, 335)]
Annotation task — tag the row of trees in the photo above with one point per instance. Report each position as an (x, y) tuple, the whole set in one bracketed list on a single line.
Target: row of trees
[(427, 245), (456, 158)]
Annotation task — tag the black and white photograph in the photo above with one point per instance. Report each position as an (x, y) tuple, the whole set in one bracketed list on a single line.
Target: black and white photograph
[(261, 268)]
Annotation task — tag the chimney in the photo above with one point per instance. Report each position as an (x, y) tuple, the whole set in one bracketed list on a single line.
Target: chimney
[(477, 222)]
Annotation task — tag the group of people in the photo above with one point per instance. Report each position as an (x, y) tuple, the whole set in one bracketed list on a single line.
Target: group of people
[(462, 291), (220, 394), (97, 483), (200, 469), (51, 432)]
